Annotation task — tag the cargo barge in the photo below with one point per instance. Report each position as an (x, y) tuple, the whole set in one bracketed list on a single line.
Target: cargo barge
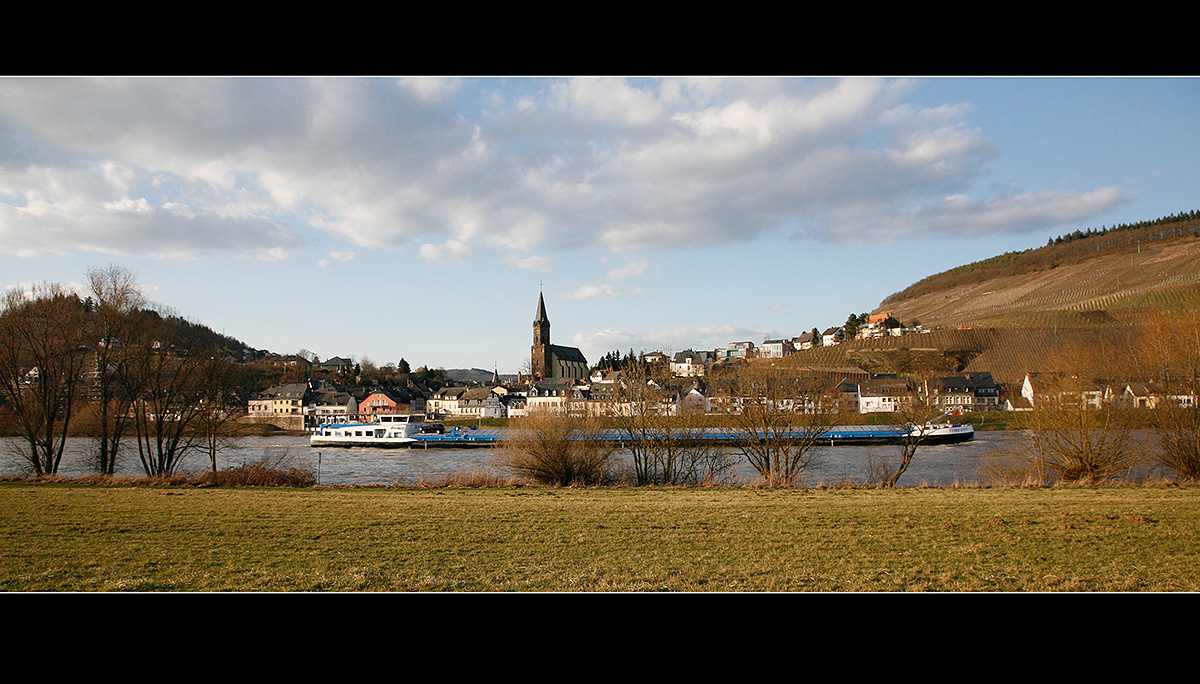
[(411, 435)]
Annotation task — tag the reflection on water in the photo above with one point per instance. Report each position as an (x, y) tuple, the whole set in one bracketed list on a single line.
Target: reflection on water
[(933, 465)]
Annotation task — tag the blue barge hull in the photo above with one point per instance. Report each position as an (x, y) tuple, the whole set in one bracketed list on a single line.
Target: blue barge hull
[(842, 435)]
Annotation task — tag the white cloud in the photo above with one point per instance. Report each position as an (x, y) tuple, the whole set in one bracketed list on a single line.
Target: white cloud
[(607, 99), (603, 289), (633, 268), (592, 290), (534, 263), (448, 251), (175, 167), (335, 256), (1024, 213)]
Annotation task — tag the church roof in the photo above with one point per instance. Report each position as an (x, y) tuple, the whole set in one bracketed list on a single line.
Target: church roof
[(567, 353), (541, 311)]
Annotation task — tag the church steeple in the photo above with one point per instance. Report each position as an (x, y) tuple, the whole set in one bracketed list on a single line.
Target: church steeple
[(540, 361), (541, 323)]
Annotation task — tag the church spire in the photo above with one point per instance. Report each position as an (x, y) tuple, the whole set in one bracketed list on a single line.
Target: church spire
[(541, 364)]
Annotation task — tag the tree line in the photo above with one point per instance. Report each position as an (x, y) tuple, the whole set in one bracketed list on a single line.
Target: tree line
[(109, 363)]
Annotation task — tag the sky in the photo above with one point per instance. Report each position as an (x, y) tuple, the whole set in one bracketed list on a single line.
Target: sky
[(380, 218)]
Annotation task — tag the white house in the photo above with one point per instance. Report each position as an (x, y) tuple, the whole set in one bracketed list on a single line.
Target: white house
[(832, 336), (691, 364), (775, 349), (883, 395)]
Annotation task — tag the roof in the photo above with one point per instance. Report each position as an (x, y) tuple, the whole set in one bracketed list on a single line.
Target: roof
[(968, 382), (295, 390), (876, 387), (567, 353), (477, 394), (399, 395)]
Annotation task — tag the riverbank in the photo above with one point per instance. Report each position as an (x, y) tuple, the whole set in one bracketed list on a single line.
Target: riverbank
[(63, 537), (962, 464)]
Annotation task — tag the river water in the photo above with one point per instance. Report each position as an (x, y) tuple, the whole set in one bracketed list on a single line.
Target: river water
[(958, 464)]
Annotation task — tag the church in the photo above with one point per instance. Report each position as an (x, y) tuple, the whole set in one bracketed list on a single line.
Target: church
[(551, 361)]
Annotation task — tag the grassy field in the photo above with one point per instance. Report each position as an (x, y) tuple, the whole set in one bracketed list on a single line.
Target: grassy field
[(71, 537)]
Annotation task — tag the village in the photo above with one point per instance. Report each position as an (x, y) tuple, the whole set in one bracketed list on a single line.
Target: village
[(561, 381)]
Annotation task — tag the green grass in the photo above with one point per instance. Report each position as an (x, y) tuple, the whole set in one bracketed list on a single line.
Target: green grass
[(71, 537)]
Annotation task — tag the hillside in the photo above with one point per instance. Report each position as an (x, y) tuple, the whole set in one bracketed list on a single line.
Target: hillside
[(1117, 275), (1007, 353), (1010, 314)]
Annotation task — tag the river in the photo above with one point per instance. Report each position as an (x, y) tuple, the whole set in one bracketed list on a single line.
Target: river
[(959, 464)]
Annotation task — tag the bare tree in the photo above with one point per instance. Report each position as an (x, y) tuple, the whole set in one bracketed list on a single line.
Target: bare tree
[(116, 300), (1078, 433), (1171, 343), (777, 413), (558, 449), (216, 423), (167, 378), (43, 360), (913, 415), (661, 431)]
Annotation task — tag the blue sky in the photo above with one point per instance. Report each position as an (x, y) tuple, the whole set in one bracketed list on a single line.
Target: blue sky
[(418, 218)]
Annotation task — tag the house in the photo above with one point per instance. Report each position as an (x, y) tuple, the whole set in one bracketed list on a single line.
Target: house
[(775, 349), (607, 399), (494, 406), (1151, 395), (737, 351), (606, 376), (1140, 395), (806, 341), (975, 391), (832, 336), (514, 405), (336, 364), (552, 396), (472, 402), (328, 403), (390, 401), (444, 402), (281, 406), (281, 400), (884, 394), (655, 357), (1017, 403), (881, 325), (691, 364), (689, 397), (1040, 388)]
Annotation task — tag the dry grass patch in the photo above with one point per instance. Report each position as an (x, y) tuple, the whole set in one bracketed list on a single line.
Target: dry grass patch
[(80, 538)]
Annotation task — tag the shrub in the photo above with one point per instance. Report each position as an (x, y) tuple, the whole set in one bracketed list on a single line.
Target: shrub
[(558, 450), (1178, 431), (257, 475)]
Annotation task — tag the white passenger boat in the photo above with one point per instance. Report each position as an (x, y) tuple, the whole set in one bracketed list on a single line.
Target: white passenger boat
[(386, 431), (938, 432), (944, 433)]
